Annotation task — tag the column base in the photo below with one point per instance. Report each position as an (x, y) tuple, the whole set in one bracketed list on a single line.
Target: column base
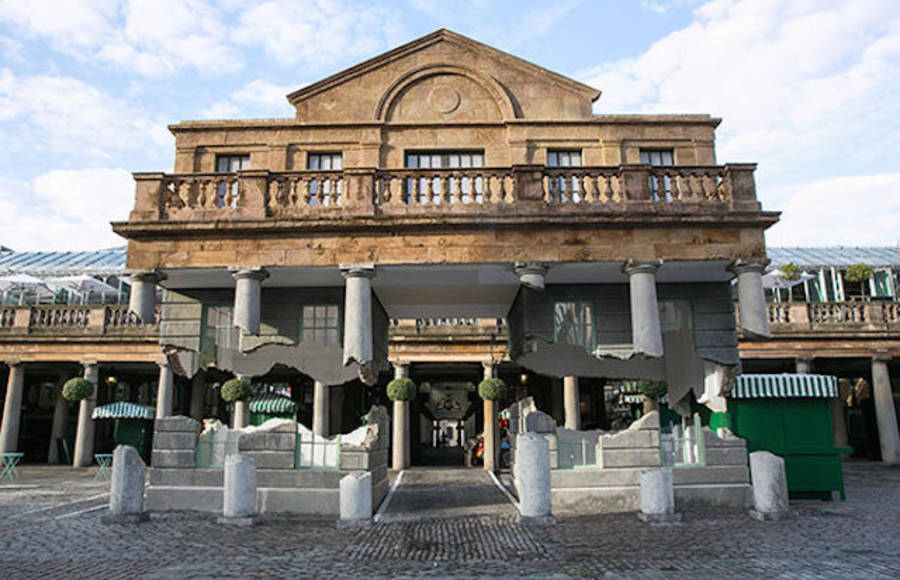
[(660, 519), (244, 522), (536, 520), (125, 518), (772, 516)]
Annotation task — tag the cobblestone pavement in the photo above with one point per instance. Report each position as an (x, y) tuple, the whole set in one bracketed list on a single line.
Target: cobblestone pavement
[(859, 538)]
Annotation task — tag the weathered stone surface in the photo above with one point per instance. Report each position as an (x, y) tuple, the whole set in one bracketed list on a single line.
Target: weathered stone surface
[(268, 441), (770, 492), (239, 499), (539, 422), (174, 440), (533, 479), (637, 457), (177, 423), (726, 456), (658, 496), (356, 498), (272, 459), (172, 458), (126, 494)]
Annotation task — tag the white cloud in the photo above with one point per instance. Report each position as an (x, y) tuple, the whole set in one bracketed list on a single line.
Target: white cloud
[(150, 37), (65, 210), (66, 115), (807, 89), (316, 33), (256, 99), (845, 211)]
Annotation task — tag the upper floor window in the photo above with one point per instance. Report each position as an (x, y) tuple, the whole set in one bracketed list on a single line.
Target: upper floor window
[(573, 323), (320, 323), (324, 161), (660, 188), (563, 188), (227, 193), (457, 189), (232, 163), (326, 191), (562, 158)]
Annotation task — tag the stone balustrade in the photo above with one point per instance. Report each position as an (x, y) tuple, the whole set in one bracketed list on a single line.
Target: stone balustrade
[(261, 194), (71, 320), (858, 316)]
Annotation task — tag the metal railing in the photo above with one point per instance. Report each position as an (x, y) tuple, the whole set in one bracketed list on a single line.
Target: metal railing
[(576, 454)]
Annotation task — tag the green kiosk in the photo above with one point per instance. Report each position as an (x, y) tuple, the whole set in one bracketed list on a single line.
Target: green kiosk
[(133, 424), (790, 416), (267, 406)]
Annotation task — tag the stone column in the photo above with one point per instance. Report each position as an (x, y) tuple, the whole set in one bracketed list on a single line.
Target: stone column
[(400, 443), (531, 274), (573, 410), (165, 391), (198, 395), (320, 409), (646, 330), (751, 298), (247, 298), (12, 408), (490, 425), (885, 412), (803, 365), (60, 421), (533, 479), (84, 433), (142, 300), (358, 314)]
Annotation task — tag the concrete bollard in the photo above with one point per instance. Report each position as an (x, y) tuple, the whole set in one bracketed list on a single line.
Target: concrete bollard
[(126, 493), (356, 500), (770, 494), (533, 479), (239, 500), (658, 497)]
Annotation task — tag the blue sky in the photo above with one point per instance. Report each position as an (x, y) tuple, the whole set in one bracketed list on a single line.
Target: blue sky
[(808, 89)]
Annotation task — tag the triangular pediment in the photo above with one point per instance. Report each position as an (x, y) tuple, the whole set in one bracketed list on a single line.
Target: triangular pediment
[(444, 77)]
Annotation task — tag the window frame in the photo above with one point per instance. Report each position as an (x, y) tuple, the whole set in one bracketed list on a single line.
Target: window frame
[(302, 327), (579, 326)]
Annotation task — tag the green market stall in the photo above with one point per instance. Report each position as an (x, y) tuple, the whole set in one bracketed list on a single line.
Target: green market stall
[(133, 425), (790, 416), (271, 406)]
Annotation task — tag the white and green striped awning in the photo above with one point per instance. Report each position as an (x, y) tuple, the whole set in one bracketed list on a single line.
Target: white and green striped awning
[(784, 385), (272, 404), (124, 410)]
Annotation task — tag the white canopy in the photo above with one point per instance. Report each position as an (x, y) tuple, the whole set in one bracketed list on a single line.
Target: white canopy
[(82, 284), (22, 282), (776, 279)]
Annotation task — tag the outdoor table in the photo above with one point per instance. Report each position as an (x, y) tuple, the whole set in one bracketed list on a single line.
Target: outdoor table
[(104, 461), (8, 462)]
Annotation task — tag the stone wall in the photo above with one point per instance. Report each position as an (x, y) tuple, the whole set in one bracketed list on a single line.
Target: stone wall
[(612, 482), (177, 484)]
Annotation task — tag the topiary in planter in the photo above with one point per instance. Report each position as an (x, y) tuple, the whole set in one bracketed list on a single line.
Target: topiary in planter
[(402, 389), (653, 389), (492, 389), (77, 389), (236, 390)]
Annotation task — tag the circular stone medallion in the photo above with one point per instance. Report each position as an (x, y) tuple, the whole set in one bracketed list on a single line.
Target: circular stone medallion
[(444, 99)]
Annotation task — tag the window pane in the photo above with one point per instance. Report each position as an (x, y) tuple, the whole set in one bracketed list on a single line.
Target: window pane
[(573, 323), (564, 158)]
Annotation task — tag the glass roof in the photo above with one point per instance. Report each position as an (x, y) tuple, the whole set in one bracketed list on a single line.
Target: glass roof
[(836, 256), (109, 261)]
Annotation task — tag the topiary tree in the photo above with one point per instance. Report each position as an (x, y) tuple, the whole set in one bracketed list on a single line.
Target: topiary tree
[(77, 389), (401, 389), (492, 389), (790, 271), (652, 391), (236, 390), (859, 274)]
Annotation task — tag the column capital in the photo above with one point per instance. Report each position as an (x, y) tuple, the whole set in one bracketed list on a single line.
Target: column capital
[(250, 273), (748, 266), (881, 356), (357, 270), (12, 362), (532, 274), (163, 364), (632, 267), (149, 276), (89, 363)]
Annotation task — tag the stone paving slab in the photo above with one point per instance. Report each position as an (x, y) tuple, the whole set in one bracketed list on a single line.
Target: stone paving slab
[(859, 538)]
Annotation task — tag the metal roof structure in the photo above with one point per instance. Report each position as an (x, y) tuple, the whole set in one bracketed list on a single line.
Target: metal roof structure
[(99, 262), (837, 257)]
